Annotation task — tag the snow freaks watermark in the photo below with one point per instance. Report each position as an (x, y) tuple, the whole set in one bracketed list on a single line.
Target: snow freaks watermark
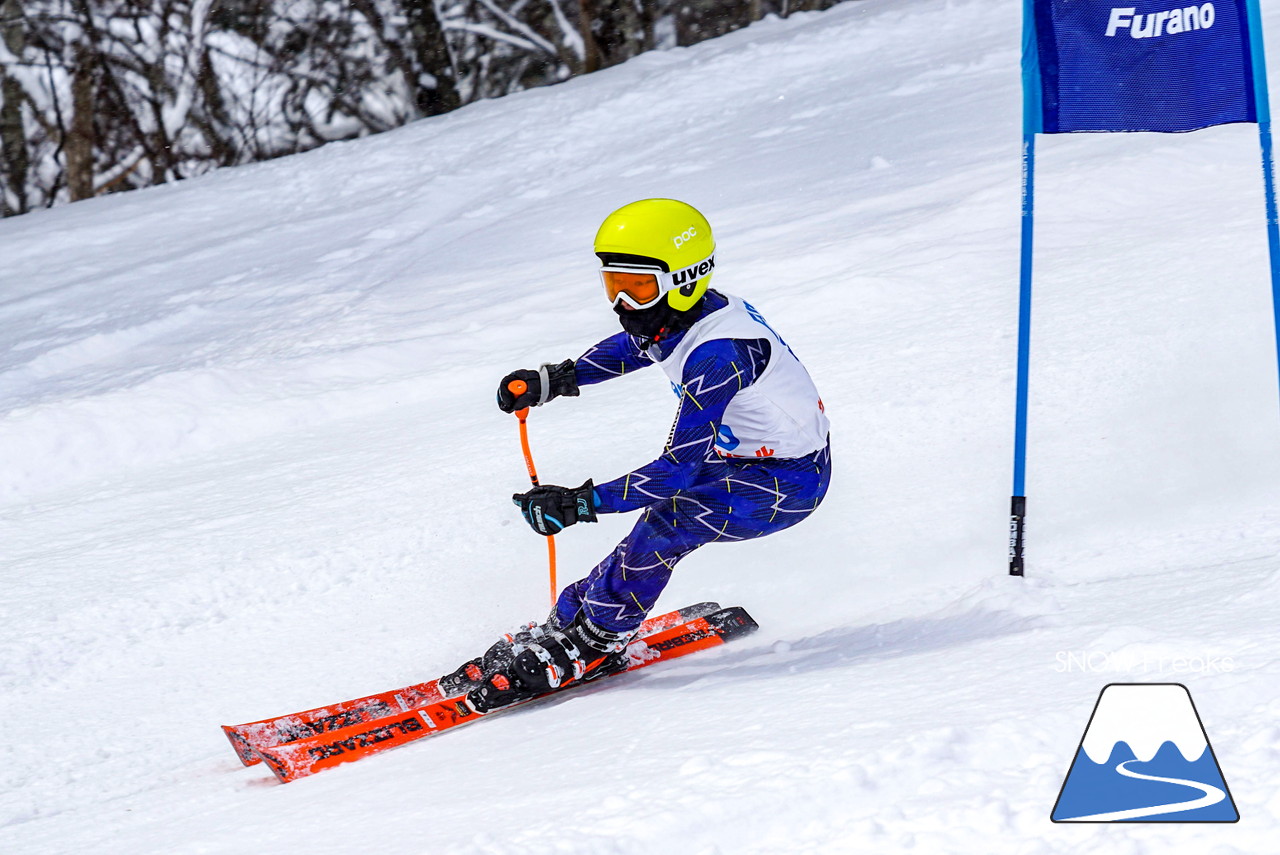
[(1139, 662), (1145, 757)]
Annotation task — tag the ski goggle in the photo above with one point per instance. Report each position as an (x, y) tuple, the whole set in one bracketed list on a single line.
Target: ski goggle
[(642, 287)]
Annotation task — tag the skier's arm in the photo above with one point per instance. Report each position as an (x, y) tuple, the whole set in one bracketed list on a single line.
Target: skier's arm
[(616, 355), (713, 374), (611, 358)]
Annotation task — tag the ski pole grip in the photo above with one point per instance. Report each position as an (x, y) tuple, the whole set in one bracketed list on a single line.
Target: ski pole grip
[(518, 388)]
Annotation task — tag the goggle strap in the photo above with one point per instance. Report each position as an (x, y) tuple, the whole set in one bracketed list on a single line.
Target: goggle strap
[(695, 271)]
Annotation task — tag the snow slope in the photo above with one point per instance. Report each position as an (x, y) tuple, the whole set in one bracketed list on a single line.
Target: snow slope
[(250, 463)]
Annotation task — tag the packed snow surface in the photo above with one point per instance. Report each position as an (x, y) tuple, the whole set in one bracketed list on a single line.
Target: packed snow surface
[(250, 463)]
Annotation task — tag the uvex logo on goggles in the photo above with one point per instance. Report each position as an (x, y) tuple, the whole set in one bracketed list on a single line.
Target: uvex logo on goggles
[(641, 287), (693, 272)]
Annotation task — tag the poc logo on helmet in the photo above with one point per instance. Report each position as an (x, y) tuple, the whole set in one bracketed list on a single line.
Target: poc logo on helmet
[(684, 237)]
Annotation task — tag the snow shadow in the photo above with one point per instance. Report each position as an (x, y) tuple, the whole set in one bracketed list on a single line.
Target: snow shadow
[(838, 647)]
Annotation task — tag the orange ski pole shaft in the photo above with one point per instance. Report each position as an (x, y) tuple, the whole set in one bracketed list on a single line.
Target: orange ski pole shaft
[(517, 388)]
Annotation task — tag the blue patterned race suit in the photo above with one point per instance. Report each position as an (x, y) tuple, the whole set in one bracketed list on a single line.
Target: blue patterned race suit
[(691, 495)]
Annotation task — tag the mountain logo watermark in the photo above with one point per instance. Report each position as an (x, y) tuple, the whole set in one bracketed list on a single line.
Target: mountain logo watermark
[(1145, 757)]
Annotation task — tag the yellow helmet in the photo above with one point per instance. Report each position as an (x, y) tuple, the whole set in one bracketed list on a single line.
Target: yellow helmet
[(663, 233)]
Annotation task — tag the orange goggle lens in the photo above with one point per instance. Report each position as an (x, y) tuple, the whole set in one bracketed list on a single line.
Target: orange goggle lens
[(642, 288)]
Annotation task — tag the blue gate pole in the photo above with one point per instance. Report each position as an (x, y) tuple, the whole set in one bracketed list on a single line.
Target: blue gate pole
[(1262, 105), (1032, 123), (1273, 224), (1018, 507)]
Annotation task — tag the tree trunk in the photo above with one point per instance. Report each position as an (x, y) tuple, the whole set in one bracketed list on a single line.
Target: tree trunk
[(15, 165), (161, 147), (590, 47), (619, 29), (215, 123), (433, 55), (79, 147)]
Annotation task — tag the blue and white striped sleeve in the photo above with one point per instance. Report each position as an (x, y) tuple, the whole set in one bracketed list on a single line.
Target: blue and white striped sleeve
[(616, 355)]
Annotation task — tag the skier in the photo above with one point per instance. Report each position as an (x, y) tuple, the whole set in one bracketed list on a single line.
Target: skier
[(748, 455)]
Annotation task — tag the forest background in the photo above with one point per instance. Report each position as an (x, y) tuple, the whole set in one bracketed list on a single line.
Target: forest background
[(100, 96)]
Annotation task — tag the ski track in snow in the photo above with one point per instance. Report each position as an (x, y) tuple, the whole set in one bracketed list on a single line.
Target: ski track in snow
[(250, 463)]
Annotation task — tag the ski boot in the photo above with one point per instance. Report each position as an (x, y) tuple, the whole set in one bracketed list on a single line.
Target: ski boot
[(551, 659), (499, 656)]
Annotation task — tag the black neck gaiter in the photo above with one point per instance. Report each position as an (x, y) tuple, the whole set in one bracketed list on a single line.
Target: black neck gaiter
[(656, 322)]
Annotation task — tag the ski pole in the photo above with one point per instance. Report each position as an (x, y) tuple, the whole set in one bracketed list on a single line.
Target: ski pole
[(517, 388)]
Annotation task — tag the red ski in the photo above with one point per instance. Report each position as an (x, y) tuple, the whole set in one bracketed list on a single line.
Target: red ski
[(299, 758), (249, 739)]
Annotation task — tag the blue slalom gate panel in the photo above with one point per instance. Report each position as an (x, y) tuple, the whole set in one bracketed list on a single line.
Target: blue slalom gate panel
[(1141, 65)]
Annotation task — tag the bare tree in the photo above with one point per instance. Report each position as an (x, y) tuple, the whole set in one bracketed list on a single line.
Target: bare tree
[(104, 95), (14, 159)]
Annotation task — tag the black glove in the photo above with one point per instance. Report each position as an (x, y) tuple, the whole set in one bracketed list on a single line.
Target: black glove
[(549, 509), (549, 381)]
